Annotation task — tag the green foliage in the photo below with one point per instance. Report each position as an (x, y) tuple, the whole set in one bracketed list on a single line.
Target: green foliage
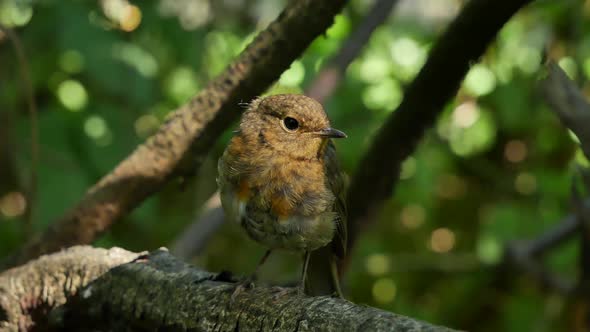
[(496, 167)]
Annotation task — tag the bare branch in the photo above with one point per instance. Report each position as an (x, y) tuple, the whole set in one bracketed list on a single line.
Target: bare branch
[(184, 139), (550, 239), (525, 255), (195, 238)]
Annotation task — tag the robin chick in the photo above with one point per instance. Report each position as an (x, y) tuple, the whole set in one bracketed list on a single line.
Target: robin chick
[(280, 180)]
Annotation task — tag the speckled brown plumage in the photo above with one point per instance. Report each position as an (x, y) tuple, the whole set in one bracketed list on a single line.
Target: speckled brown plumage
[(284, 186)]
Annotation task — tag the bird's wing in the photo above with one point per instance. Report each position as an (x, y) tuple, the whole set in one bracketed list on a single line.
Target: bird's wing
[(337, 181)]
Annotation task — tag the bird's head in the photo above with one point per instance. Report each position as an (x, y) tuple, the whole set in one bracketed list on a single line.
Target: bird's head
[(295, 125)]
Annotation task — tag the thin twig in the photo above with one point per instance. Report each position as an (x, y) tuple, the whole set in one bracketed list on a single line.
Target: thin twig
[(526, 254), (196, 236), (32, 108), (552, 238)]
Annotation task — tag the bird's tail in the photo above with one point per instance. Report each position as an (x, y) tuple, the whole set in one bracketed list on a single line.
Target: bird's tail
[(322, 274)]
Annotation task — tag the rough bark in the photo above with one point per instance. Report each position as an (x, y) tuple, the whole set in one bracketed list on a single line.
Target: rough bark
[(463, 43), (184, 139), (27, 293), (84, 288)]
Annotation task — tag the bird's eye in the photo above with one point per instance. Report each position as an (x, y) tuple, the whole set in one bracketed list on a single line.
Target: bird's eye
[(290, 123)]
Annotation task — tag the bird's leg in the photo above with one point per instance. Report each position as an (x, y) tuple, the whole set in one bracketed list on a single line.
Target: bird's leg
[(300, 289), (260, 263), (306, 257), (249, 281)]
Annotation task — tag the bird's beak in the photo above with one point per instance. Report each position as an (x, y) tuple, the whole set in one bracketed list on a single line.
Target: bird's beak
[(331, 133)]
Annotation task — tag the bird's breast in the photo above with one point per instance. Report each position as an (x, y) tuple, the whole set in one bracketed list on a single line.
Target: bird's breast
[(282, 204)]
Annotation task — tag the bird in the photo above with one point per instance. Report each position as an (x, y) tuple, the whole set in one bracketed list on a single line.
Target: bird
[(280, 179)]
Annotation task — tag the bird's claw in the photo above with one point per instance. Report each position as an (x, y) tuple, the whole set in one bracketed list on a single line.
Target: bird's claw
[(241, 287), (285, 291)]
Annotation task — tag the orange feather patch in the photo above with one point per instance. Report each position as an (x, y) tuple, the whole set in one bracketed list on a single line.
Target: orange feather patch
[(281, 207), (244, 191)]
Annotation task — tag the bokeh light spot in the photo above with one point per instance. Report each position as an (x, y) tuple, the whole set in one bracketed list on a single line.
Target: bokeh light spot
[(480, 80), (384, 290), (72, 95), (489, 250), (409, 57), (413, 216), (377, 264), (476, 138), (442, 240), (131, 18), (95, 127), (182, 84), (525, 183), (374, 69), (15, 13), (385, 95), (71, 61), (515, 151), (137, 58), (13, 204), (466, 114)]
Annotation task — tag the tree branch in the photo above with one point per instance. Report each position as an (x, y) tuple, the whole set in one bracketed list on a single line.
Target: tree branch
[(28, 292), (184, 139), (568, 102), (196, 236), (463, 43), (570, 105), (84, 289)]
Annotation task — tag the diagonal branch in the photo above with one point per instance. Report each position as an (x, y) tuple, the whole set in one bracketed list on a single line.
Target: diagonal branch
[(568, 102), (464, 42), (87, 289), (184, 139), (570, 105)]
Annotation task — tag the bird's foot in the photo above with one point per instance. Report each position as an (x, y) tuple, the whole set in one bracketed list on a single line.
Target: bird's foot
[(242, 286), (285, 291)]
